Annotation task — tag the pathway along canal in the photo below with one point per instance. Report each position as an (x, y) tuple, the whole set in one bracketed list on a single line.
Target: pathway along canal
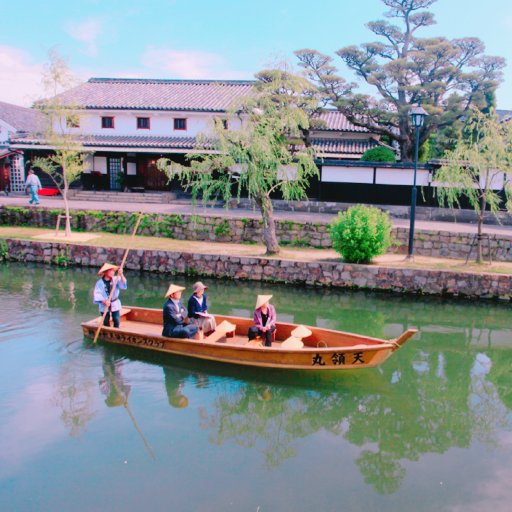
[(431, 430)]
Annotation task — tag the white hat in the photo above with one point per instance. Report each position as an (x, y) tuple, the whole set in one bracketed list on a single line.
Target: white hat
[(198, 286), (173, 288), (262, 299), (301, 332)]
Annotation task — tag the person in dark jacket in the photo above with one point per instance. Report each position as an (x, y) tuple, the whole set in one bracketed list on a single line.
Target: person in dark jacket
[(176, 321), (198, 310)]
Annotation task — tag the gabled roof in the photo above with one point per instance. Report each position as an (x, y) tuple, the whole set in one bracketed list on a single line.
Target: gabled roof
[(337, 121), (152, 94), (20, 118)]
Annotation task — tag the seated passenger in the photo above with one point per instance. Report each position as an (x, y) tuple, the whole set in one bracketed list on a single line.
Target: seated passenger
[(176, 322), (198, 310), (264, 320)]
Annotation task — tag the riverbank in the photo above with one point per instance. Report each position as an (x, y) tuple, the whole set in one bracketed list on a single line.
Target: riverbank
[(314, 267), (439, 240)]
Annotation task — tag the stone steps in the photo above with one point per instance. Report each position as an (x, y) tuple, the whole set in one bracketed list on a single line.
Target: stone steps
[(123, 197)]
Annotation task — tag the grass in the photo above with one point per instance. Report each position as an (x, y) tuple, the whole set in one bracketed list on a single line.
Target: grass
[(257, 250)]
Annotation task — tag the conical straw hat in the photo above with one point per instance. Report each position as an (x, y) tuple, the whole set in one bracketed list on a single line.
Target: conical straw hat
[(173, 288), (262, 299), (292, 343), (301, 332), (105, 267)]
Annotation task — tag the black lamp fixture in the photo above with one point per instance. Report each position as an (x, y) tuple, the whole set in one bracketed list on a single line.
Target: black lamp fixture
[(417, 115)]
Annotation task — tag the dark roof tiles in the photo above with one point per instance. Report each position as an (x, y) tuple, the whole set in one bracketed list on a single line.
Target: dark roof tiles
[(142, 94), (21, 118)]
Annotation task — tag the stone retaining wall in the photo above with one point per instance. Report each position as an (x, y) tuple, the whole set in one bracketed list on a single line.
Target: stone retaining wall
[(249, 230), (325, 274)]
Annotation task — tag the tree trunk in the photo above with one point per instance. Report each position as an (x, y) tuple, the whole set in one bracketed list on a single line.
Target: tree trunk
[(269, 226), (479, 258), (67, 231), (479, 239)]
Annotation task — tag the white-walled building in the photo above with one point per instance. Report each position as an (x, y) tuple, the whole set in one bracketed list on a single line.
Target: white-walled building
[(15, 121), (128, 124)]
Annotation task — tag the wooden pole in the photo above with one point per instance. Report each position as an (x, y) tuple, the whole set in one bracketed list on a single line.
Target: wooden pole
[(126, 405), (141, 214)]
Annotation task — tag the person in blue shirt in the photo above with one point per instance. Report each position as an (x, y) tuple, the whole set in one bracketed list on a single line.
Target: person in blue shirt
[(198, 310), (104, 285), (176, 321), (34, 184)]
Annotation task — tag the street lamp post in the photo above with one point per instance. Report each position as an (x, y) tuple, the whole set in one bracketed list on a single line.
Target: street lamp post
[(417, 115)]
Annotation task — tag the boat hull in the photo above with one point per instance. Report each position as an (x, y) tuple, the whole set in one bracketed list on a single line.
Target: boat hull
[(326, 350)]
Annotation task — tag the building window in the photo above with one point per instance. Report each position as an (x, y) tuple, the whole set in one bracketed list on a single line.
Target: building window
[(142, 123), (107, 122), (72, 121), (180, 124)]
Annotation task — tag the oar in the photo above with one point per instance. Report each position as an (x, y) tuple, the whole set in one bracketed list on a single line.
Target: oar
[(141, 214)]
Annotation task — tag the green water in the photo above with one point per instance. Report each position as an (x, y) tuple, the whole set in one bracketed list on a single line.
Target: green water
[(431, 430)]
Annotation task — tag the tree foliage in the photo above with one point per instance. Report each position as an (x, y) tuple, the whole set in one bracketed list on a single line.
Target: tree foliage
[(478, 168), (361, 233), (447, 76), (379, 154), (266, 154), (67, 160)]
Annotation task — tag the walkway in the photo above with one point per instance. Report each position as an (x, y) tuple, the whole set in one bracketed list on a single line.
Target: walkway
[(185, 207)]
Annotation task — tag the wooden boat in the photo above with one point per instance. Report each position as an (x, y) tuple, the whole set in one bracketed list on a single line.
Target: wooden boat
[(323, 349)]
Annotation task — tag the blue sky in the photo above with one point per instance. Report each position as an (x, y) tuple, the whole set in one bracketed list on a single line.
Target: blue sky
[(210, 38)]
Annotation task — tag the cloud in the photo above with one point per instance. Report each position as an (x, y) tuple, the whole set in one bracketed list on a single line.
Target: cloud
[(87, 32), (20, 79), (188, 64)]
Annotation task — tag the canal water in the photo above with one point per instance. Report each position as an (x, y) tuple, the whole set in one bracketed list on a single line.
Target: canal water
[(430, 430)]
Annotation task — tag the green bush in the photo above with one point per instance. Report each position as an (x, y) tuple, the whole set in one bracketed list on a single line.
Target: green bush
[(361, 233), (379, 154)]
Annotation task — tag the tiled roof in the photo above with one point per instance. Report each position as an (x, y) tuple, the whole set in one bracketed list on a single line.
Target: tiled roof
[(146, 94), (124, 141), (322, 146), (336, 121), (21, 118), (343, 146)]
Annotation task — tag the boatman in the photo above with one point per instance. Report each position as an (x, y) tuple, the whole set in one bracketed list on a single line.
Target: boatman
[(104, 285), (176, 321)]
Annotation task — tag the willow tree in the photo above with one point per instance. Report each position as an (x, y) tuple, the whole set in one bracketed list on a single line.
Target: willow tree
[(447, 76), (478, 169), (267, 153), (67, 160)]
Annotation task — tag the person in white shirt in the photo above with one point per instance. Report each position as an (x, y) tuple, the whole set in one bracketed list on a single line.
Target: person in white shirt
[(101, 295), (34, 184)]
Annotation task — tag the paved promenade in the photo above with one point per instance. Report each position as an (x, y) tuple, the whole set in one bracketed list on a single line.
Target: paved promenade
[(185, 207)]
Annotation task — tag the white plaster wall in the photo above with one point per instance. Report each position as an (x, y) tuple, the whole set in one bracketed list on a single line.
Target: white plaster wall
[(5, 131), (340, 174), (161, 123), (402, 177)]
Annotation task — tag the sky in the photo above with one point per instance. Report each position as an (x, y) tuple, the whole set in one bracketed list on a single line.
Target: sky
[(211, 39)]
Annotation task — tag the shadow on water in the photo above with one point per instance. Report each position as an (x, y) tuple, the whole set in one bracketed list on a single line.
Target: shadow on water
[(345, 379)]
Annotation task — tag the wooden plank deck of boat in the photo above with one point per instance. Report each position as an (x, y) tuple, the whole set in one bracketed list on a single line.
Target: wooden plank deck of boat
[(151, 329)]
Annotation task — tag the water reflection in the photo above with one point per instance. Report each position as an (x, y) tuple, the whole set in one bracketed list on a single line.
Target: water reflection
[(448, 389)]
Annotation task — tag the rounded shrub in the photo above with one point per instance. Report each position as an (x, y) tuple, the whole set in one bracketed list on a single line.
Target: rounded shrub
[(379, 154), (361, 233)]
